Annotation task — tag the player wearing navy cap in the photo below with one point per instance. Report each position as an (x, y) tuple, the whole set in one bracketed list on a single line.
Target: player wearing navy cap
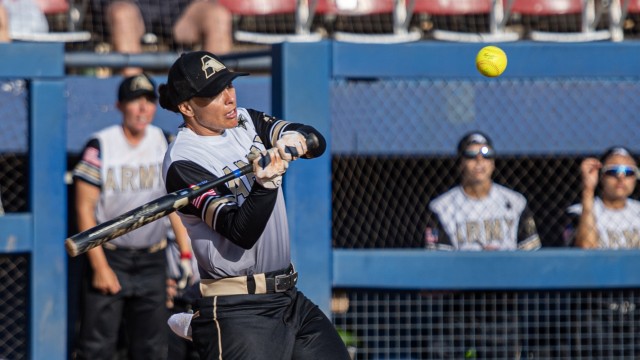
[(250, 308), (479, 214), (120, 169)]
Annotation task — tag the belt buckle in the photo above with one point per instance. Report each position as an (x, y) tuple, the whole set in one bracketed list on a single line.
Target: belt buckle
[(285, 282)]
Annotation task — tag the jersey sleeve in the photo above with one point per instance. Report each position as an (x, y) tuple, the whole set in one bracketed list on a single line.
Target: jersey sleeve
[(270, 129), (435, 235), (90, 164), (218, 208), (528, 238)]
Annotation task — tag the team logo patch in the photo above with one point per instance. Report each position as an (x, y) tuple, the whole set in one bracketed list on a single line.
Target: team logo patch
[(211, 66), (478, 139), (141, 82), (92, 156), (242, 122), (268, 119), (431, 235)]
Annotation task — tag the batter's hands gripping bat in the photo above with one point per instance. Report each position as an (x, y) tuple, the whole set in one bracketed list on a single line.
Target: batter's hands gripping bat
[(154, 210)]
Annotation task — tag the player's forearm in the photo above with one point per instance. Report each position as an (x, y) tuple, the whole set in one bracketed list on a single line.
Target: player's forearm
[(182, 238), (586, 234), (244, 225), (97, 259)]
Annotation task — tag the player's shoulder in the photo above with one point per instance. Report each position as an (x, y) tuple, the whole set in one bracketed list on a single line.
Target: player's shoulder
[(508, 192), (446, 199), (517, 200), (633, 204), (110, 130)]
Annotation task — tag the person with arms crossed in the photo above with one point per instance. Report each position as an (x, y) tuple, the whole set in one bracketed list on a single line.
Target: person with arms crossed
[(250, 308), (479, 214), (120, 169), (611, 220)]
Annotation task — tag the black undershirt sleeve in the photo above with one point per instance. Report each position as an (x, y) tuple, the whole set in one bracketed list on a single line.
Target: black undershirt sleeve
[(242, 225)]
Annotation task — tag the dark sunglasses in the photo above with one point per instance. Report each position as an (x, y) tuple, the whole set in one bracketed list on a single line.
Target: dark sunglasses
[(617, 170), (485, 151)]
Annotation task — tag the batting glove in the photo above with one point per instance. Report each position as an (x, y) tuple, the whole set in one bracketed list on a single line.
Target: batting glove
[(186, 272), (269, 169), (291, 145)]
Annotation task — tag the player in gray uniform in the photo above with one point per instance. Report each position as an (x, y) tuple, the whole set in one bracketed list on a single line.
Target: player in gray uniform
[(120, 169), (250, 308), (611, 220), (479, 214)]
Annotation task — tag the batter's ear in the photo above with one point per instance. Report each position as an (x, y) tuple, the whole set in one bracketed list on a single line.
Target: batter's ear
[(186, 109)]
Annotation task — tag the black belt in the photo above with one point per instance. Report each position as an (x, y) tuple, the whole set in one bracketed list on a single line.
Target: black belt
[(263, 283), (279, 281)]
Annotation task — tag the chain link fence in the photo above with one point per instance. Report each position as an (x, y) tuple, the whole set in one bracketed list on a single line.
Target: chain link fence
[(492, 325), (394, 149), (14, 186), (14, 302)]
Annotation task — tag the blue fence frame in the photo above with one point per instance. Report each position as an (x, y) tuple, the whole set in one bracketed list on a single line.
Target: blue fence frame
[(42, 230)]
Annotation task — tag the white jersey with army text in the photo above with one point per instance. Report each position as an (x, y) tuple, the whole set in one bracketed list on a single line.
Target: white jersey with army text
[(500, 221), (617, 228), (217, 256), (128, 176)]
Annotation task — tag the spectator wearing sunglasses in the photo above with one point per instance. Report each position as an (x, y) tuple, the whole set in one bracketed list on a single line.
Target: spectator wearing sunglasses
[(479, 214), (611, 220)]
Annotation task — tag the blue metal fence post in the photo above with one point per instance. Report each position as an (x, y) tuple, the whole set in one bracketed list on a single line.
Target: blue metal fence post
[(300, 93), (47, 165)]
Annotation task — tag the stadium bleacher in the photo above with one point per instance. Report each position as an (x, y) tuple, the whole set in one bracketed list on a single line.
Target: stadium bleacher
[(259, 23)]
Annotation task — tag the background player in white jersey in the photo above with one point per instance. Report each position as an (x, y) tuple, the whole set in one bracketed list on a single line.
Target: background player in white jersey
[(120, 169), (611, 220), (250, 308), (479, 214)]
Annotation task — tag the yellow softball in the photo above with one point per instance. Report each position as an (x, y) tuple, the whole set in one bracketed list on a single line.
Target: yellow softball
[(491, 61)]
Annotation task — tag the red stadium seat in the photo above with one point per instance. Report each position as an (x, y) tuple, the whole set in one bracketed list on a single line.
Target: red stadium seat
[(302, 9), (586, 9), (49, 7), (260, 7), (493, 9), (399, 11)]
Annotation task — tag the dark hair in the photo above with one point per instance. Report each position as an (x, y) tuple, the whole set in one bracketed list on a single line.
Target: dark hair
[(165, 99)]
